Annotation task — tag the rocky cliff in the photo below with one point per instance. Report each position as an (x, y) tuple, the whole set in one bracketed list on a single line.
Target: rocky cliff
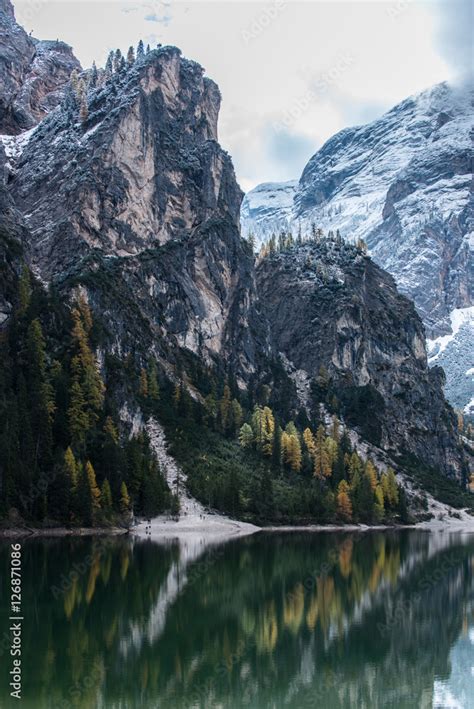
[(139, 202), (404, 184), (330, 306), (33, 74), (124, 194)]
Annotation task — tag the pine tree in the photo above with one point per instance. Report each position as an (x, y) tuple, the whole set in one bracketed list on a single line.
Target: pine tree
[(71, 469), (124, 499), (322, 461), (130, 56), (117, 60), (148, 49), (75, 82), (344, 505), (41, 394), (106, 497), (140, 50), (291, 450), (143, 387), (210, 409), (263, 426), (93, 75), (83, 109), (77, 415), (87, 388), (379, 510), (246, 437), (83, 502), (355, 466), (372, 473), (24, 291), (277, 452), (153, 386), (225, 409), (308, 439), (109, 66), (236, 416), (390, 488), (94, 491)]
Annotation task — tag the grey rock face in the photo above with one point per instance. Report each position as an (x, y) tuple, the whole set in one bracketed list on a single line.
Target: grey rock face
[(141, 202), (404, 184), (329, 305), (32, 74)]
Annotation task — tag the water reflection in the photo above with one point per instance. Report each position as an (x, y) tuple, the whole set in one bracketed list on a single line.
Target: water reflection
[(293, 620)]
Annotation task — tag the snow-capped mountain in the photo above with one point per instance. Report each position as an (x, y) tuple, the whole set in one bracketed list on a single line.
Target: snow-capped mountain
[(268, 208), (403, 183)]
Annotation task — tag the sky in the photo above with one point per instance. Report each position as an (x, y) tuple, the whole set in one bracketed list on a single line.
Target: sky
[(292, 73)]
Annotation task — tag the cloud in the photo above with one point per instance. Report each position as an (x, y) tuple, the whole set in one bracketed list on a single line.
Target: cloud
[(291, 74), (289, 151), (164, 19), (455, 38)]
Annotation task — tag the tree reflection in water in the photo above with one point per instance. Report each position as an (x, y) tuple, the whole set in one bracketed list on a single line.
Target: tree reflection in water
[(291, 620)]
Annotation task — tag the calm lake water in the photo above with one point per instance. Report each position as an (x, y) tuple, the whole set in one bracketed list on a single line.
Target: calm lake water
[(274, 620)]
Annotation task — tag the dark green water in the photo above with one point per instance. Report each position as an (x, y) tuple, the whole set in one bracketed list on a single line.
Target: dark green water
[(288, 620)]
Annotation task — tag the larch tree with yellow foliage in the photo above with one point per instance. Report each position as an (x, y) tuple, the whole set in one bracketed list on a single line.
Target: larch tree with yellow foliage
[(322, 460), (344, 505)]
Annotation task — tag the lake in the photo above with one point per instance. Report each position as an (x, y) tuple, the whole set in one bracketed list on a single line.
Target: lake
[(376, 619)]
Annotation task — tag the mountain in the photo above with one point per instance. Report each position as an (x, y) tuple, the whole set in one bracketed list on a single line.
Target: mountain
[(330, 306), (126, 283), (403, 183), (32, 74), (268, 208), (141, 193)]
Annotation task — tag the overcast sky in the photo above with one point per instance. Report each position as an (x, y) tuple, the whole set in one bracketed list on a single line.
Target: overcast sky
[(291, 73)]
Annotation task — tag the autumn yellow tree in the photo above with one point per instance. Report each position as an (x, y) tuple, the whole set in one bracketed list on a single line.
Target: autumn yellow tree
[(344, 505), (390, 488), (93, 489), (291, 447), (87, 387), (263, 426), (371, 472), (322, 461), (308, 439)]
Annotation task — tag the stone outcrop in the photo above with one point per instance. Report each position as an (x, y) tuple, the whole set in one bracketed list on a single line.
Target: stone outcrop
[(140, 203), (33, 74), (331, 306)]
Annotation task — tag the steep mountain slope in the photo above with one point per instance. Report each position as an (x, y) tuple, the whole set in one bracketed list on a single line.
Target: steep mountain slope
[(330, 306), (404, 184), (140, 202), (33, 74)]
